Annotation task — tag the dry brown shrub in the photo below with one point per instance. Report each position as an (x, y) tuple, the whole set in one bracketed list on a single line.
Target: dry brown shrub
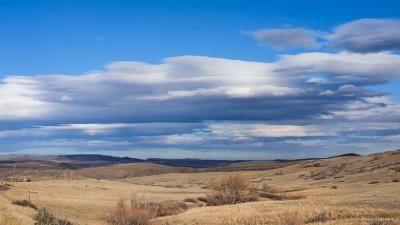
[(202, 199), (191, 200), (169, 207), (122, 215), (290, 218), (5, 187), (141, 211), (319, 217), (230, 189), (25, 203)]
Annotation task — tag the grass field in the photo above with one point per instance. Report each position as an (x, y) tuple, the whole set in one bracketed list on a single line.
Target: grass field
[(346, 190)]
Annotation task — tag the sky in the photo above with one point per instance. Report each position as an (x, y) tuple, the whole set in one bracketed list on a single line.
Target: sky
[(199, 79)]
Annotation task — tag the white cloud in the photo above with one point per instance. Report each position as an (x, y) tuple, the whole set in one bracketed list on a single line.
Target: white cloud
[(192, 88), (78, 142), (229, 103), (392, 137), (373, 109), (91, 129), (236, 92), (239, 131), (19, 99), (65, 98), (343, 66)]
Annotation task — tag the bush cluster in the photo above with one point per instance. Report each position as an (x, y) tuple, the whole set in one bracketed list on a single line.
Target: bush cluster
[(230, 189), (43, 217), (141, 211)]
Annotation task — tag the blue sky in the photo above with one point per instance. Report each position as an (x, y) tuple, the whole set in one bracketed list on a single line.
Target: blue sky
[(205, 79)]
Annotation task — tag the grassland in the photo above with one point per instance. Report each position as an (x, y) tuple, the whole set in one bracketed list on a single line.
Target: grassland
[(343, 190)]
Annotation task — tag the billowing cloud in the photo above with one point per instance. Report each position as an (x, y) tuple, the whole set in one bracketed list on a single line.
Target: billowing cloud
[(287, 38), (303, 101), (192, 88), (367, 35)]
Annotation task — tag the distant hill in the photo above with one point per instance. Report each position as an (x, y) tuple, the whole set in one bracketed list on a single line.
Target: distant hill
[(84, 159), (193, 163), (90, 160), (375, 166), (347, 154)]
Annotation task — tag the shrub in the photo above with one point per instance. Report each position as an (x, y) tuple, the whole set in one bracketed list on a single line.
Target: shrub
[(230, 189), (202, 199), (25, 203), (192, 200), (169, 207), (141, 211), (320, 217), (63, 222), (124, 216), (5, 187), (43, 217)]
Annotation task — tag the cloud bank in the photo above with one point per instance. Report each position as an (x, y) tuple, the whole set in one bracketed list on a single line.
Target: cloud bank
[(313, 103)]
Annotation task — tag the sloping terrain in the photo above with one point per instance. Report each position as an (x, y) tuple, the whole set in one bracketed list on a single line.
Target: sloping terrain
[(121, 171), (251, 166), (380, 167), (39, 170), (32, 169), (339, 190)]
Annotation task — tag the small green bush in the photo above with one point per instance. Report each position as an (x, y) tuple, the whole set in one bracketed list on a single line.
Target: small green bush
[(43, 217)]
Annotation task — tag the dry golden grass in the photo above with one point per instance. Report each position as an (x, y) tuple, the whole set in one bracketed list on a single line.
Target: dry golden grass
[(85, 201), (335, 191), (13, 214), (288, 213)]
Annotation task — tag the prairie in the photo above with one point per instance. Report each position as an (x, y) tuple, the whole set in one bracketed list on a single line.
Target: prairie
[(339, 190)]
